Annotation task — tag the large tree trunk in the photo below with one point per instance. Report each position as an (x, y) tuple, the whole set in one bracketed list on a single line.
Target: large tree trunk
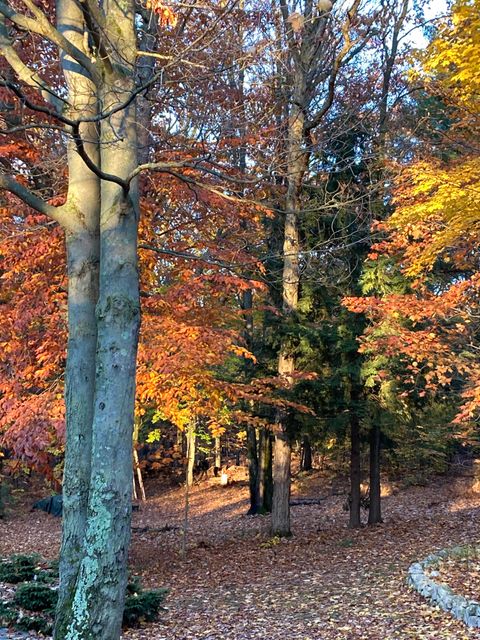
[(281, 486), (83, 256), (96, 609), (80, 382), (266, 471)]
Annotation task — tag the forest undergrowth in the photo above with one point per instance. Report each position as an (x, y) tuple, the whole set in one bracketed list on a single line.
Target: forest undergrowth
[(325, 582)]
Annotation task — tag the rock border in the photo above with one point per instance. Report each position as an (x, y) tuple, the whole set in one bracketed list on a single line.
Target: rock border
[(439, 593)]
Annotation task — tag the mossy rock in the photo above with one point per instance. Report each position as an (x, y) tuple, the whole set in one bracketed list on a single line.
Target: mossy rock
[(143, 607), (18, 568), (33, 596)]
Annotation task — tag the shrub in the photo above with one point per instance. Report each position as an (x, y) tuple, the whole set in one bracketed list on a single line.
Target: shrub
[(35, 597), (8, 615), (46, 576), (39, 623), (18, 568), (134, 586), (143, 606)]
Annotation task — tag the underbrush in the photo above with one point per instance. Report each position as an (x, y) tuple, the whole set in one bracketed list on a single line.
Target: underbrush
[(30, 605)]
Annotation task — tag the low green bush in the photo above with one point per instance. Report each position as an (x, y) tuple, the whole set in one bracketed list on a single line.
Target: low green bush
[(33, 596), (36, 595), (18, 568), (8, 615), (39, 623), (143, 606)]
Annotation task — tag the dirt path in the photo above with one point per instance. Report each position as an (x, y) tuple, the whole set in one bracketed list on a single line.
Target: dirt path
[(326, 583)]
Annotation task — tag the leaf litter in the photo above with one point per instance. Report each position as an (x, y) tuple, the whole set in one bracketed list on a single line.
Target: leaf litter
[(326, 582)]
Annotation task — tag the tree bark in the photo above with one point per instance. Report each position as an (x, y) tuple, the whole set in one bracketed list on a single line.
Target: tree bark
[(306, 461), (136, 464), (266, 472), (83, 256), (190, 454), (97, 605), (79, 392), (253, 470), (218, 452), (355, 472), (296, 166), (281, 486), (375, 512)]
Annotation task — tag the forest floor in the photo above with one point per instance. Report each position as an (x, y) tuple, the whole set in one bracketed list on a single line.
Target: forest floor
[(325, 583)]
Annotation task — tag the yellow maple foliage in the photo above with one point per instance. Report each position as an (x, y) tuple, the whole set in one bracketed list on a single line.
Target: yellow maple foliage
[(434, 194)]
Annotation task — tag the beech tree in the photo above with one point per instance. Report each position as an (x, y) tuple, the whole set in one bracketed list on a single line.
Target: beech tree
[(99, 218), (90, 93)]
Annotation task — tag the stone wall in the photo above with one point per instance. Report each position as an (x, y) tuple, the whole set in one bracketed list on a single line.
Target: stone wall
[(439, 593)]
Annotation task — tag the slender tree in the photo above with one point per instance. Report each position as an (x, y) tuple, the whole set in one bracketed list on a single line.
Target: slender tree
[(319, 40)]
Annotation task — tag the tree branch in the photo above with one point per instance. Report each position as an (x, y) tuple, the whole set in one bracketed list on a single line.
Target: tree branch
[(337, 63), (211, 261), (62, 215), (24, 73), (96, 22), (42, 26)]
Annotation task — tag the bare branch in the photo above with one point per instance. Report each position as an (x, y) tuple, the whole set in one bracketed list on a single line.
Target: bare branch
[(348, 45), (96, 22), (173, 59), (211, 261), (42, 26), (64, 215), (24, 73)]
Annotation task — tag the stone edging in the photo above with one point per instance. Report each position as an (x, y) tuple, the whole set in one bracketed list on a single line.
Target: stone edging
[(468, 611)]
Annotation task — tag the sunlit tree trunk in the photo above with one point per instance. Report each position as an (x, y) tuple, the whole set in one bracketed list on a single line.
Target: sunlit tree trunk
[(96, 607), (218, 452), (296, 166), (191, 438), (83, 257)]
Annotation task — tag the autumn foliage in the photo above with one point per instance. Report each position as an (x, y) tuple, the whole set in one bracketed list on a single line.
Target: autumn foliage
[(433, 235)]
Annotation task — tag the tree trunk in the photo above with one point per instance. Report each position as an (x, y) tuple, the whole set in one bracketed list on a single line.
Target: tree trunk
[(136, 464), (296, 166), (375, 513), (97, 606), (306, 461), (253, 470), (191, 438), (266, 487), (218, 452), (355, 472), (281, 486), (80, 382), (83, 256)]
